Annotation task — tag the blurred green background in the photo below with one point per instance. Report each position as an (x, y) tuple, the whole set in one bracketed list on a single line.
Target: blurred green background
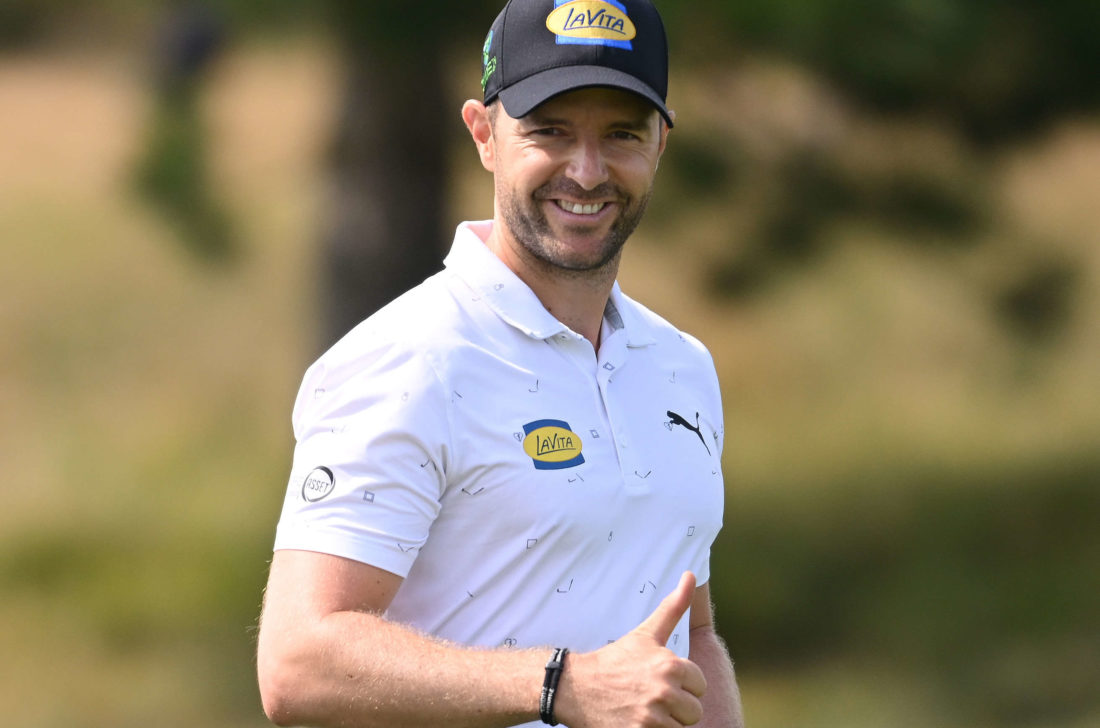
[(883, 220)]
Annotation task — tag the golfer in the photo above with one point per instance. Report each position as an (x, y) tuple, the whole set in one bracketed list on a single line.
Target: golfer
[(507, 482)]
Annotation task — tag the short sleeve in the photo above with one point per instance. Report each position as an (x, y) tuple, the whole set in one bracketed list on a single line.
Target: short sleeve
[(372, 439)]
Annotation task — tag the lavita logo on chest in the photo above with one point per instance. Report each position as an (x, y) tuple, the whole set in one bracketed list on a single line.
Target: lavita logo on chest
[(552, 445)]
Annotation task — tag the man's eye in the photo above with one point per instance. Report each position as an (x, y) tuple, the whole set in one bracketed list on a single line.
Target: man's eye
[(547, 131), (625, 136)]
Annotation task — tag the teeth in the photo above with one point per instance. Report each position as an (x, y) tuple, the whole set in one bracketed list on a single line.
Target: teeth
[(579, 209)]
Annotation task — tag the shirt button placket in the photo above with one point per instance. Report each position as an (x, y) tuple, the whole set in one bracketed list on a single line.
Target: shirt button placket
[(606, 376)]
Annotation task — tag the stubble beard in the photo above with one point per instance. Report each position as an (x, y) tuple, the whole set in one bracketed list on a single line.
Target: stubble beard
[(529, 226)]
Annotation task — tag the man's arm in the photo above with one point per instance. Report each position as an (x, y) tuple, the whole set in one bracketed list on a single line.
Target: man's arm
[(326, 656), (722, 701)]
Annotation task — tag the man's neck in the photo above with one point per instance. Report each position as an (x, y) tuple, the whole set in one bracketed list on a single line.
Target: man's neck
[(576, 298)]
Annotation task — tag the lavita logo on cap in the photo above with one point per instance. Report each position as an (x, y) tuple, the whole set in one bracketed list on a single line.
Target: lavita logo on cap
[(591, 22)]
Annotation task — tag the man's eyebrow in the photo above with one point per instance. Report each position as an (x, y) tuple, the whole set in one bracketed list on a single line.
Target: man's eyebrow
[(539, 118), (636, 123)]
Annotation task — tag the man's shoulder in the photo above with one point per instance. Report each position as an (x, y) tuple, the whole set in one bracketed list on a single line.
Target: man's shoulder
[(402, 345), (423, 322), (659, 329)]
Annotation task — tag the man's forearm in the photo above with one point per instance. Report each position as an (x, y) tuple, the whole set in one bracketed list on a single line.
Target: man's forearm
[(722, 701), (355, 668), (349, 666)]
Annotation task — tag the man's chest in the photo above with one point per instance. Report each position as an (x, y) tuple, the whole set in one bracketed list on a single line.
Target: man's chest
[(555, 442)]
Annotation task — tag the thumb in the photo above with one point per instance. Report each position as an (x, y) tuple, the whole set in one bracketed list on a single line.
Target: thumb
[(666, 616)]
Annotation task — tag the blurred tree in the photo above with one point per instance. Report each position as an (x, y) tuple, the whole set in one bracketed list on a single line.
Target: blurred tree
[(20, 23), (995, 69), (385, 231), (171, 172), (991, 73)]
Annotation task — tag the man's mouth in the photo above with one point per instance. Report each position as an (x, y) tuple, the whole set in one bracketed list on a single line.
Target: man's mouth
[(580, 209)]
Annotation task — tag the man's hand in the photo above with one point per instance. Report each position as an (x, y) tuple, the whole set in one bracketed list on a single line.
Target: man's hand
[(636, 680)]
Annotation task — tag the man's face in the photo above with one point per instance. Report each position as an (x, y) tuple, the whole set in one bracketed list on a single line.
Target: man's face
[(574, 176)]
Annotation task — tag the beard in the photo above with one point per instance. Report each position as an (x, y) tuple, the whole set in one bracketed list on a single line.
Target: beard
[(530, 227)]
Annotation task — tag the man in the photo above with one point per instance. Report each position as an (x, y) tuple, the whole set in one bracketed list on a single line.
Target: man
[(514, 459)]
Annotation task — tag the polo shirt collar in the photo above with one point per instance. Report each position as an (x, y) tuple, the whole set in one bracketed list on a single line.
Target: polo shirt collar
[(622, 313), (509, 297), (514, 301)]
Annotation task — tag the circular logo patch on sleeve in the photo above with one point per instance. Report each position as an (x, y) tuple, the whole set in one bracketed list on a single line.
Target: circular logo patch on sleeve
[(318, 484)]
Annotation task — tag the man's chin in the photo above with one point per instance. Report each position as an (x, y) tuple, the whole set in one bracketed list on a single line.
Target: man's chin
[(583, 235), (588, 255), (574, 245)]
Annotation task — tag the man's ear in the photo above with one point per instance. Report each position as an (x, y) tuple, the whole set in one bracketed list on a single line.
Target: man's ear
[(665, 129), (476, 116)]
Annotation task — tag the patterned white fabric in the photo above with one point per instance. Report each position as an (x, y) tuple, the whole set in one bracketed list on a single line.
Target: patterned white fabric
[(529, 492)]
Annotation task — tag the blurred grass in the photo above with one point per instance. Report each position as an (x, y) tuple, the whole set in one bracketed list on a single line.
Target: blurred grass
[(912, 493), (977, 586)]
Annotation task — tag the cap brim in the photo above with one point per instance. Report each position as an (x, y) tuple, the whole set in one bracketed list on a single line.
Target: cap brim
[(523, 96)]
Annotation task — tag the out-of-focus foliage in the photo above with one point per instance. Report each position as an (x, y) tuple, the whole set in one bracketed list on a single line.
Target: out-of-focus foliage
[(171, 173), (983, 75), (996, 69)]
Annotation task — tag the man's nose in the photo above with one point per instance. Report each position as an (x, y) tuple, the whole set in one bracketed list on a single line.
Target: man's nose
[(587, 166)]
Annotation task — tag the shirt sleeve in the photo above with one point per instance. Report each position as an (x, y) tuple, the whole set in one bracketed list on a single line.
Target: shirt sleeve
[(371, 450)]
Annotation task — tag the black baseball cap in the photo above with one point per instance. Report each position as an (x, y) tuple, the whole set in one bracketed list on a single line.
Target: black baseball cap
[(538, 49)]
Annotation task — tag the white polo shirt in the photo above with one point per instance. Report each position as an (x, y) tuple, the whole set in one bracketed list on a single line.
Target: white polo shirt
[(530, 492)]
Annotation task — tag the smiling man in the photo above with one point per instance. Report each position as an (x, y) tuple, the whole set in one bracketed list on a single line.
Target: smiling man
[(499, 512)]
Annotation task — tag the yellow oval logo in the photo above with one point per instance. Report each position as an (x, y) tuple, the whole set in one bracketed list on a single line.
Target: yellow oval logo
[(591, 19), (552, 445)]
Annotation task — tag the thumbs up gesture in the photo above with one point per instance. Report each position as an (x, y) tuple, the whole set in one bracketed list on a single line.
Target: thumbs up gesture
[(636, 681)]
